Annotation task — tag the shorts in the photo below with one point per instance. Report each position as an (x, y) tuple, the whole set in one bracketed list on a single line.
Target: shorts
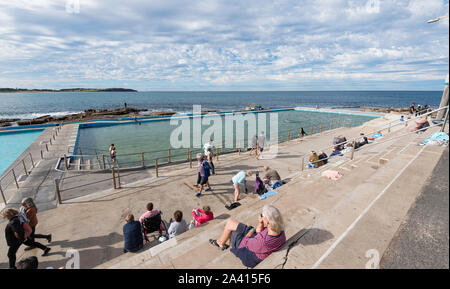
[(239, 234), (201, 180)]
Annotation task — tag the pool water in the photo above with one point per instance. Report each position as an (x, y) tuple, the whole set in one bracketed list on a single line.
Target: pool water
[(132, 138), (13, 144)]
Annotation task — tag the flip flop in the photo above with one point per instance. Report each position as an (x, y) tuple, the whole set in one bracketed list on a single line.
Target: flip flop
[(214, 242)]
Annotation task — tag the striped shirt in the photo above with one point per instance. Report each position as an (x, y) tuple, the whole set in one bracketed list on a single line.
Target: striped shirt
[(263, 244)]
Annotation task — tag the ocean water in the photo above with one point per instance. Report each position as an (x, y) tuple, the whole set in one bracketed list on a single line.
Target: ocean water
[(30, 105)]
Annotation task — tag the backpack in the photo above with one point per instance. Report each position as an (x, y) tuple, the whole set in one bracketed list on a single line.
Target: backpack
[(207, 168), (260, 189), (25, 224)]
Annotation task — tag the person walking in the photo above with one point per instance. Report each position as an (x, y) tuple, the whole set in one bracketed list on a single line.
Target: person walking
[(209, 158), (261, 144), (254, 145), (29, 208), (203, 174), (15, 235)]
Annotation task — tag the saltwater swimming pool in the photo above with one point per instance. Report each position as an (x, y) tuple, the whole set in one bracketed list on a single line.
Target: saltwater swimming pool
[(132, 138), (13, 144)]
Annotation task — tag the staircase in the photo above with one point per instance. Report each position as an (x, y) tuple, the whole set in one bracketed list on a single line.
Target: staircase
[(316, 211)]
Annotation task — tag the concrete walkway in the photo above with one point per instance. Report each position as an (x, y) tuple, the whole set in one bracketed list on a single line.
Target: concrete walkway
[(40, 183), (92, 224), (422, 242)]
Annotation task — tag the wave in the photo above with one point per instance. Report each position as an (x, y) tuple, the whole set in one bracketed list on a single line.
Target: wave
[(38, 114)]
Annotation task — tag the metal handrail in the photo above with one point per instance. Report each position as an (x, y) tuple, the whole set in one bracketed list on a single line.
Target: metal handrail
[(381, 129), (383, 141)]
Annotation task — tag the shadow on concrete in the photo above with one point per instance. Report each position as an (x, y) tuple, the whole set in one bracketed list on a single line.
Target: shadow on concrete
[(312, 236)]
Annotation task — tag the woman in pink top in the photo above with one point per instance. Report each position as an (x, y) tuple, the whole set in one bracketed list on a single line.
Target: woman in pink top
[(202, 216), (252, 245), (150, 212)]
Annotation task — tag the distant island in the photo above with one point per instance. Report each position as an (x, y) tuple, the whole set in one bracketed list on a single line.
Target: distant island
[(9, 90)]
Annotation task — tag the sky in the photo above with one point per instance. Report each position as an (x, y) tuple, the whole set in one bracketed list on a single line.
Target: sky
[(224, 45)]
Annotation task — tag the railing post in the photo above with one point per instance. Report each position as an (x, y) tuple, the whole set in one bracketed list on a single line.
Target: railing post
[(311, 131), (143, 160), (389, 128), (299, 133), (445, 120), (46, 147), (320, 128), (58, 192), (24, 167), (217, 154), (15, 179), (118, 176), (223, 144), (331, 124), (156, 168), (3, 195), (114, 177), (239, 149), (349, 123), (32, 162), (303, 163), (343, 123), (168, 156), (51, 142), (190, 159), (289, 135), (104, 163), (42, 155)]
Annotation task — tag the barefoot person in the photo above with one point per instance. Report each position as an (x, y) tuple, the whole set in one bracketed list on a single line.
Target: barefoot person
[(112, 153), (239, 182), (261, 145), (254, 145), (252, 245)]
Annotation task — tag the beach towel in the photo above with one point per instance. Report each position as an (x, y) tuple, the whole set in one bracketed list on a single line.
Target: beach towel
[(332, 175), (266, 195), (436, 138)]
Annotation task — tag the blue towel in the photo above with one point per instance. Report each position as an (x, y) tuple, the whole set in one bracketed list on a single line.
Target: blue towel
[(268, 194)]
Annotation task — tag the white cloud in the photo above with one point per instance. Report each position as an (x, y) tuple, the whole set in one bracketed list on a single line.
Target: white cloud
[(209, 43)]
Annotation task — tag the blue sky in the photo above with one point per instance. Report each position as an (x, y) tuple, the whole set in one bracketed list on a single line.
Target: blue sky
[(225, 45)]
